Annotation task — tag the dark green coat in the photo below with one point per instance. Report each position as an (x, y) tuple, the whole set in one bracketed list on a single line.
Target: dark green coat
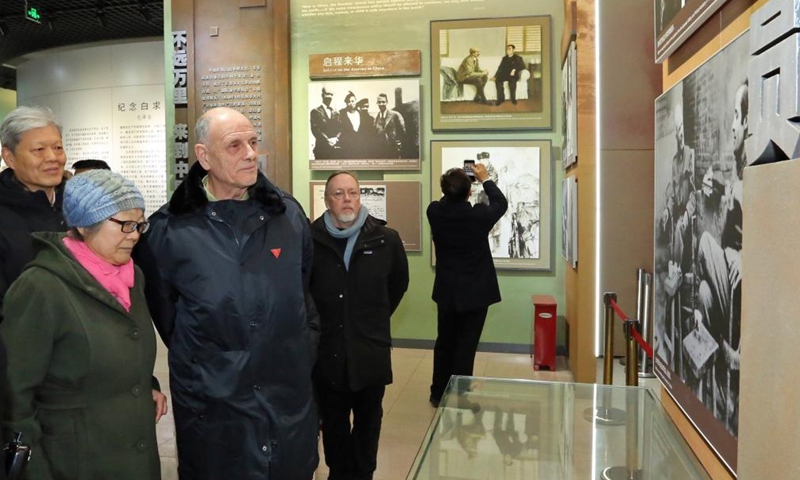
[(79, 372)]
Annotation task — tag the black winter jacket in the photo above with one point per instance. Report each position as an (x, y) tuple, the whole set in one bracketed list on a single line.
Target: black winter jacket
[(355, 305), (226, 285), (21, 213)]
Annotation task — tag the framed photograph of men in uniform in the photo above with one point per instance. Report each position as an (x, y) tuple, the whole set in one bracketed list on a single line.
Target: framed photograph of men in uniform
[(523, 238), (368, 124), (491, 74)]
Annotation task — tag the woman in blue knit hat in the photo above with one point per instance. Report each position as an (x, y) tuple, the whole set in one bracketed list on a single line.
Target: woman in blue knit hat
[(81, 346)]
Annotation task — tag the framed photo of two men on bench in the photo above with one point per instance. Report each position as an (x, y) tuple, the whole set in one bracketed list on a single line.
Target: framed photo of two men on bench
[(491, 74)]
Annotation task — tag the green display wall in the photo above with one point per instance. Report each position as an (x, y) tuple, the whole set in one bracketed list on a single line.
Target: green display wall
[(380, 25)]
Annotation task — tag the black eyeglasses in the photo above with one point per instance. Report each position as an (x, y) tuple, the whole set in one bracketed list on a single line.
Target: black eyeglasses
[(131, 226)]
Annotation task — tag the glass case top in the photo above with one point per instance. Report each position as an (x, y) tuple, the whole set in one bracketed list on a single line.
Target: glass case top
[(489, 428)]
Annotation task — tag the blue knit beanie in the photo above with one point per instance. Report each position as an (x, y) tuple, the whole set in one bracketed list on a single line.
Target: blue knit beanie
[(97, 195)]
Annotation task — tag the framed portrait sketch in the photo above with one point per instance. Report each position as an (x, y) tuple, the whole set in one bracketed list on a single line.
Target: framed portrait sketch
[(523, 238), (364, 124), (491, 74), (569, 100)]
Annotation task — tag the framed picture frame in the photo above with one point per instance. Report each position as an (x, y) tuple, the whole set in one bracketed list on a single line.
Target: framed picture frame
[(478, 83), (676, 21), (523, 238), (569, 100), (364, 124), (569, 220)]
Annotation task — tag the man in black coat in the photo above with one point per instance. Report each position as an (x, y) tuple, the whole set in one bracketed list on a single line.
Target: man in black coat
[(510, 70), (325, 125), (227, 263), (359, 276), (466, 281), (31, 188)]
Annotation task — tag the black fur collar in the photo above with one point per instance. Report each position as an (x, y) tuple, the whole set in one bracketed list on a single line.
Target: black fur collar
[(190, 196)]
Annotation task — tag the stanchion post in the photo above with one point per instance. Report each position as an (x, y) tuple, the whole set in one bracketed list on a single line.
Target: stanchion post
[(646, 367), (631, 469), (632, 432), (608, 354), (631, 354)]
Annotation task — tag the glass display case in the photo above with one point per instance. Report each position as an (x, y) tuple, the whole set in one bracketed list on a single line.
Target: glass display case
[(488, 428)]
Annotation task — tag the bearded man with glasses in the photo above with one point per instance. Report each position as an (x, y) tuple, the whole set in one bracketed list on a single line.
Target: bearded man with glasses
[(359, 276)]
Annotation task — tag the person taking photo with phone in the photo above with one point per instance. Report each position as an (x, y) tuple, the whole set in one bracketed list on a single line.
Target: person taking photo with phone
[(466, 280)]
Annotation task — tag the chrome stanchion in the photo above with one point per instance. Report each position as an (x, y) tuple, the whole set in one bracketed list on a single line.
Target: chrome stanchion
[(608, 354), (631, 354), (631, 469), (605, 415), (643, 307)]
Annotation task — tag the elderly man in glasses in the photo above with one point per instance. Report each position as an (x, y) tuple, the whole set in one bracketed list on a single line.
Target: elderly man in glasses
[(360, 274), (31, 189)]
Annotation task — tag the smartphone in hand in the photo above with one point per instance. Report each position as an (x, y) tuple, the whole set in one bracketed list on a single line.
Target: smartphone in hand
[(468, 164)]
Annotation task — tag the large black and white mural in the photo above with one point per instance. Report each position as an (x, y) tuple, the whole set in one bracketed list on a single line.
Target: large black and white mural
[(700, 154)]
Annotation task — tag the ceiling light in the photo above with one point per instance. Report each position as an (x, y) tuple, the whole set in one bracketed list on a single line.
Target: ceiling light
[(3, 28)]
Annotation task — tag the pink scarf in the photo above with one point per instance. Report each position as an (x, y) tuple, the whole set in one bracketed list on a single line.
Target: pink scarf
[(117, 279)]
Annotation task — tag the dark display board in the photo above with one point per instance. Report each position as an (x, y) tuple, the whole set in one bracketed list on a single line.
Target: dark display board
[(399, 203)]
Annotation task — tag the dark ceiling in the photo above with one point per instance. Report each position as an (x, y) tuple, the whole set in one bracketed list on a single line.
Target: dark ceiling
[(70, 22)]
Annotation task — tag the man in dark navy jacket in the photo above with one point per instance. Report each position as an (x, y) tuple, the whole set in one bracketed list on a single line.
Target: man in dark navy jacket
[(228, 261), (466, 281)]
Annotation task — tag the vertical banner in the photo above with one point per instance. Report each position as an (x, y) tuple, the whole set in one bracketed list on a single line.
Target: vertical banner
[(180, 139), (179, 71), (180, 99)]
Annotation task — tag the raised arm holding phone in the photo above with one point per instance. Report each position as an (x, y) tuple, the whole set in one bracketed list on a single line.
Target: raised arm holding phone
[(466, 280)]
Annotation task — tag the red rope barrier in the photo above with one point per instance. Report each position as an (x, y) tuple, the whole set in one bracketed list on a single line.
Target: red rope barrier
[(636, 335)]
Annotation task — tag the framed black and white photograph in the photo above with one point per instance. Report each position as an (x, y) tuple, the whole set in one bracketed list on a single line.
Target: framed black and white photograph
[(569, 100), (522, 239), (364, 124), (676, 20), (491, 74), (700, 154), (569, 220)]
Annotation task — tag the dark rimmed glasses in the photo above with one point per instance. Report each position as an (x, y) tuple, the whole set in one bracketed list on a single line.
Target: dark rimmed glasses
[(131, 226)]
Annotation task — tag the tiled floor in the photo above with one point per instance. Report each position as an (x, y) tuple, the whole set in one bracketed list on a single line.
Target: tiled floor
[(407, 413)]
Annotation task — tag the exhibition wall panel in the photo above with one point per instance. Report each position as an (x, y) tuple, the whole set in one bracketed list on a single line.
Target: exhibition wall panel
[(339, 27), (110, 99)]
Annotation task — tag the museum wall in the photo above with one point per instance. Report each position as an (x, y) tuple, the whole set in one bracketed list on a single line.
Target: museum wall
[(234, 54), (405, 25), (8, 101), (616, 85), (110, 100)]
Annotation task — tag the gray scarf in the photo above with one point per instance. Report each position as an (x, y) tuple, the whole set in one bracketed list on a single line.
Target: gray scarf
[(350, 233)]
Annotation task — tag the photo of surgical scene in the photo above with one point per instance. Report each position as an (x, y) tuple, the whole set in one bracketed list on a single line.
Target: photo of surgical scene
[(515, 170), (364, 119), (701, 137)]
